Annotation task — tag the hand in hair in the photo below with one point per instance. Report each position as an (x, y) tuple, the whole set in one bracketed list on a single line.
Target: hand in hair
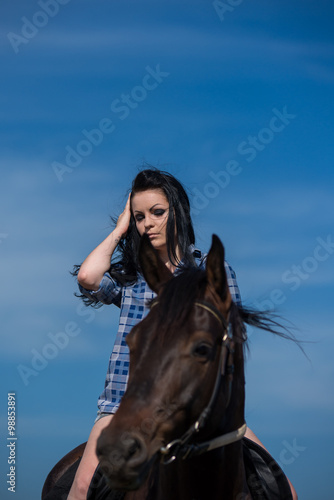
[(97, 263), (123, 220)]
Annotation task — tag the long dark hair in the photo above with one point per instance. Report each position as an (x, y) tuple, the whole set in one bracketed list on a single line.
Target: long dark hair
[(125, 264)]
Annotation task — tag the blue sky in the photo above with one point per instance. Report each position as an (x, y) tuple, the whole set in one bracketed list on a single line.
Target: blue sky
[(237, 104)]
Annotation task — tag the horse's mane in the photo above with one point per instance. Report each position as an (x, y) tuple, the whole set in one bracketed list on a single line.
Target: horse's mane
[(179, 294)]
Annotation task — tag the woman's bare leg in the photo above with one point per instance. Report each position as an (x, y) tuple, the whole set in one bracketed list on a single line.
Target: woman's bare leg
[(88, 462)]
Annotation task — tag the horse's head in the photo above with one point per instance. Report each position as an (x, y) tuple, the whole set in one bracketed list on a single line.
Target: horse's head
[(181, 354)]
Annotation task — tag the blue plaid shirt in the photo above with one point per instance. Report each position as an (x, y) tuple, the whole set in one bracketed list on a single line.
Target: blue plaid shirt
[(132, 300)]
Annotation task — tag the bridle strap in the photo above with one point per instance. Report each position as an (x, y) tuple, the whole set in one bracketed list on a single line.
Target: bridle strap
[(226, 355), (174, 449), (214, 311), (225, 439), (204, 305)]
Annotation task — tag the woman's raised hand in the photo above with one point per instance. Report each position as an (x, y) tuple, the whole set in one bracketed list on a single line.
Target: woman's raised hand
[(98, 261), (123, 220)]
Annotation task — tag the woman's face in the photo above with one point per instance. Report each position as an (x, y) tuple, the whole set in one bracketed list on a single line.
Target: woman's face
[(150, 209)]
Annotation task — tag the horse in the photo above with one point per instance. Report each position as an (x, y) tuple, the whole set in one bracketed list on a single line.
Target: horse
[(179, 431)]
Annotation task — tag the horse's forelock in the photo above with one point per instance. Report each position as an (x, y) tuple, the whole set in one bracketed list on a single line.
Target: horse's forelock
[(177, 298)]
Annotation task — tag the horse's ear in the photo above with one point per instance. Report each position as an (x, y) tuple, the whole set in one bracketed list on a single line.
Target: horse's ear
[(215, 268), (154, 270)]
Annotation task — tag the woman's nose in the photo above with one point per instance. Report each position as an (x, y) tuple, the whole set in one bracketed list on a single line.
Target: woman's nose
[(148, 222)]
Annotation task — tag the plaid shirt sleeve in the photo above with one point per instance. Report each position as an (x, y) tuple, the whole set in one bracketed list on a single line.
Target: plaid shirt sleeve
[(233, 285), (109, 291)]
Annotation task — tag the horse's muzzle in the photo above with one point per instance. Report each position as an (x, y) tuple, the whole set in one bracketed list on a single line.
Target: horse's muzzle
[(123, 459)]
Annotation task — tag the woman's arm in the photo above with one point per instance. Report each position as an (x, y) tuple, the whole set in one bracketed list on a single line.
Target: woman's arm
[(98, 261), (250, 435)]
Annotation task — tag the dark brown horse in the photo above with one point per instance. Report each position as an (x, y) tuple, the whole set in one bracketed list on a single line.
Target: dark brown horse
[(178, 432)]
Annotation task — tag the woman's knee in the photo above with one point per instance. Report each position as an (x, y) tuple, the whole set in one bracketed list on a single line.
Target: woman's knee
[(88, 462)]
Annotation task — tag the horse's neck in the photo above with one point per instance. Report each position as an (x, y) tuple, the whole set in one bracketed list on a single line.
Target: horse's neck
[(216, 475)]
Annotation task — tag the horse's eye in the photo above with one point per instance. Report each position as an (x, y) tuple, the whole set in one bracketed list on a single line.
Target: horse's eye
[(202, 350)]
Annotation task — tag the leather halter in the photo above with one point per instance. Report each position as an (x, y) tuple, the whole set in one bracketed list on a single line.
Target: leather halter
[(181, 447)]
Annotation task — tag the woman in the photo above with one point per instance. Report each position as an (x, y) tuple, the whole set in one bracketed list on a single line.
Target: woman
[(159, 206)]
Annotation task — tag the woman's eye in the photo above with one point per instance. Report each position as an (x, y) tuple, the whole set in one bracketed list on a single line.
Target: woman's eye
[(156, 214), (159, 213)]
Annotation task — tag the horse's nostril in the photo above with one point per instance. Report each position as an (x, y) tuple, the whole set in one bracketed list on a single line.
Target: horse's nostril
[(134, 447), (136, 450)]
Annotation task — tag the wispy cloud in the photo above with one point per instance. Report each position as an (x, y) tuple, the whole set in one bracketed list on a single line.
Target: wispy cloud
[(304, 58), (169, 36)]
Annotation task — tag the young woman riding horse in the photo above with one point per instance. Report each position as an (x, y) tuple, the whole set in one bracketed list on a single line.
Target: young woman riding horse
[(158, 206)]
